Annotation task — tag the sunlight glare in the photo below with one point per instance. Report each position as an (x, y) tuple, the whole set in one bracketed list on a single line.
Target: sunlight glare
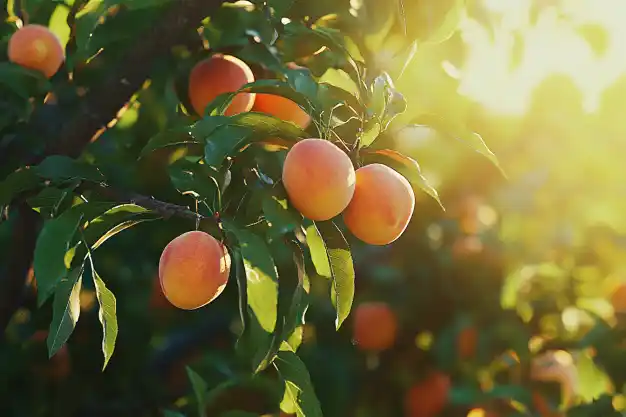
[(550, 46)]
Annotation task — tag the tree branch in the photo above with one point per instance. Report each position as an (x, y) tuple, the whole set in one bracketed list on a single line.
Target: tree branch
[(97, 108)]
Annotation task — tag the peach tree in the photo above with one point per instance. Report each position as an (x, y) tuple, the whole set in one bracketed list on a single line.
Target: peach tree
[(115, 116)]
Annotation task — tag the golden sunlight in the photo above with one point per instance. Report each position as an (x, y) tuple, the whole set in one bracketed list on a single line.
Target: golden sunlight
[(552, 45)]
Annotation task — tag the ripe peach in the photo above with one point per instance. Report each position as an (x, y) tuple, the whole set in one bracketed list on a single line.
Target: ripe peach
[(282, 108), (217, 75), (466, 342), (193, 270), (37, 48), (382, 205), (58, 367), (319, 178), (428, 397), (375, 326)]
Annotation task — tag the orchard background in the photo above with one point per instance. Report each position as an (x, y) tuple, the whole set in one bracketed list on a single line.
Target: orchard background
[(510, 302)]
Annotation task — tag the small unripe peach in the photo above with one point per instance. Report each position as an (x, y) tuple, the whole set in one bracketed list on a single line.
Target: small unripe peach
[(382, 205), (282, 108), (193, 270), (375, 327), (36, 47), (217, 75), (319, 178)]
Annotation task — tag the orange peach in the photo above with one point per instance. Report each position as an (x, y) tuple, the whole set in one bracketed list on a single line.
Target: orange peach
[(217, 75), (467, 342), (193, 270), (282, 108), (382, 205), (375, 326), (37, 48), (428, 397), (319, 178)]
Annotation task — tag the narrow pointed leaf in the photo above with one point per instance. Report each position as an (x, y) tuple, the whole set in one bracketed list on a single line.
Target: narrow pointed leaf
[(61, 168), (107, 315), (298, 386), (200, 388), (65, 310), (319, 257), (341, 269)]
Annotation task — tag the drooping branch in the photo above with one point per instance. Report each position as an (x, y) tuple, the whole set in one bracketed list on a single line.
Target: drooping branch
[(98, 107)]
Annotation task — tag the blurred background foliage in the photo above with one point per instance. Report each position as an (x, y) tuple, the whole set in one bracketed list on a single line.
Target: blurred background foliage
[(515, 292)]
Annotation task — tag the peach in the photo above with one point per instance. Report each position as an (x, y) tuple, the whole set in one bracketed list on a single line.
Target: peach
[(428, 397), (375, 326), (193, 270), (217, 75), (282, 108), (319, 178), (37, 48), (381, 207), (467, 342)]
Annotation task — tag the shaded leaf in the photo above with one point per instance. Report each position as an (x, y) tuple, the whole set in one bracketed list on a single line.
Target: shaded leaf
[(341, 268), (198, 180), (61, 168), (48, 201), (170, 413), (405, 165), (65, 310), (17, 182), (200, 388), (319, 257), (113, 221), (299, 301), (176, 136), (22, 81), (281, 217), (53, 255), (298, 386), (107, 315)]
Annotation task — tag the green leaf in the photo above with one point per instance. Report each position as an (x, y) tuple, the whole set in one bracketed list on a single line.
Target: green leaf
[(298, 386), (275, 87), (262, 277), (223, 142), (261, 296), (62, 168), (48, 201), (53, 243), (460, 133), (53, 255), (405, 165), (243, 129), (17, 182), (341, 268), (200, 388), (181, 135), (22, 81), (300, 300), (65, 310), (281, 217), (449, 25), (107, 316), (115, 220), (319, 257), (198, 180)]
